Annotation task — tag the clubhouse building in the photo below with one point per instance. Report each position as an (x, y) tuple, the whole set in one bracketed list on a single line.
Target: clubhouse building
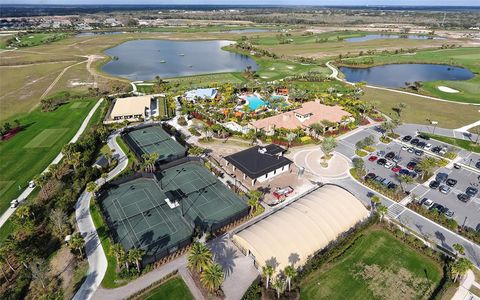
[(134, 109)]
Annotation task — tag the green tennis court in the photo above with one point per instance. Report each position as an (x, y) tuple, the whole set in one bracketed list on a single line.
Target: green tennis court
[(159, 214), (154, 139)]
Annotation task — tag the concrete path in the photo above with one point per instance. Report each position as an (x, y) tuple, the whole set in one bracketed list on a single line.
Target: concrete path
[(466, 283), (95, 254), (335, 76), (57, 159), (467, 127)]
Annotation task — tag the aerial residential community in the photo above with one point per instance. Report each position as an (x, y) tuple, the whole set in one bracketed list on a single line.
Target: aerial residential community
[(244, 150)]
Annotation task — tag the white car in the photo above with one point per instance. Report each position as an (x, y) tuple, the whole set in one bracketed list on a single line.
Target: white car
[(428, 147), (31, 184), (427, 203), (14, 203), (388, 164), (405, 148), (411, 150)]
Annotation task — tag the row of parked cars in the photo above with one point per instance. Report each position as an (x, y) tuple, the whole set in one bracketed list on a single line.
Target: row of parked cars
[(384, 181), (430, 205), (417, 141), (444, 185)]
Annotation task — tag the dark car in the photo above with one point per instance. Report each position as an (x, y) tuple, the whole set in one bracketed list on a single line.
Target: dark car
[(434, 184), (421, 144), (418, 152), (424, 136), (407, 138), (381, 161), (404, 172), (477, 165), (442, 177), (413, 174), (379, 178), (440, 208), (411, 165), (370, 176), (390, 155), (471, 191), (451, 182), (392, 186), (436, 149), (463, 197), (414, 141)]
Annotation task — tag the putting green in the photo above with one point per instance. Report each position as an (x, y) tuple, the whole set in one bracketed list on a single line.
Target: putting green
[(46, 138), (78, 105)]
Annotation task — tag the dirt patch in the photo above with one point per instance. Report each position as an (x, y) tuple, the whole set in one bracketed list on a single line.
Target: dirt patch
[(62, 266), (393, 284)]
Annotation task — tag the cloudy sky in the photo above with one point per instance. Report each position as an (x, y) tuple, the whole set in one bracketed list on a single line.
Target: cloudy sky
[(256, 2)]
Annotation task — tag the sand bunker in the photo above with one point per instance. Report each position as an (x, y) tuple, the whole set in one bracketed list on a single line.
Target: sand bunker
[(446, 89)]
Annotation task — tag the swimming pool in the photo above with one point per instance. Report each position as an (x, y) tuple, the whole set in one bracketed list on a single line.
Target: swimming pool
[(254, 102)]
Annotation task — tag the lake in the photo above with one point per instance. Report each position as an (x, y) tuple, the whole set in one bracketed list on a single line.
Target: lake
[(395, 75), (145, 59), (370, 37)]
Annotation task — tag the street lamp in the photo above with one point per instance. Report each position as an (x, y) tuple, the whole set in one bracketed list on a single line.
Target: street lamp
[(434, 123)]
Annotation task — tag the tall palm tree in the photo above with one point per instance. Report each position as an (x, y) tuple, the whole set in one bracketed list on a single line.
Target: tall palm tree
[(117, 251), (375, 201), (267, 272), (212, 277), (382, 211), (40, 181), (135, 255), (77, 242), (253, 204), (290, 273), (459, 248), (55, 170), (279, 286), (460, 267), (405, 179), (199, 257), (426, 165), (74, 160)]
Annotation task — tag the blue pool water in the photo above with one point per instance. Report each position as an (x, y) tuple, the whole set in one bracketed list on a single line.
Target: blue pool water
[(254, 102)]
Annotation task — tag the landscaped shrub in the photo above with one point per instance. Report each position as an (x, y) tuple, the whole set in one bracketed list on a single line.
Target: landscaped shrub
[(360, 153), (181, 121)]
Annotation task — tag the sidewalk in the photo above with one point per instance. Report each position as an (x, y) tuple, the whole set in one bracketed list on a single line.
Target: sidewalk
[(463, 292)]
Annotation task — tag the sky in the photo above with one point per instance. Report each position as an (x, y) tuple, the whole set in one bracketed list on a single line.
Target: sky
[(259, 2)]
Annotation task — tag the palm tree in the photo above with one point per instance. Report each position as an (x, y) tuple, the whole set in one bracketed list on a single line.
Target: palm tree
[(212, 277), (23, 212), (459, 248), (426, 165), (317, 129), (382, 211), (267, 272), (92, 187), (117, 251), (76, 242), (253, 204), (375, 200), (328, 145), (135, 255), (74, 160), (460, 267), (55, 170), (405, 179), (279, 286), (290, 273), (199, 257), (41, 181)]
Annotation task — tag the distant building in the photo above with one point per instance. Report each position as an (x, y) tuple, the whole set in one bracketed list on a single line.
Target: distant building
[(134, 108), (233, 126), (260, 163), (203, 94), (101, 162), (310, 113)]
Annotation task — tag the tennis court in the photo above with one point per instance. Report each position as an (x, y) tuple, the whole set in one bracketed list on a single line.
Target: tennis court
[(154, 139), (139, 216)]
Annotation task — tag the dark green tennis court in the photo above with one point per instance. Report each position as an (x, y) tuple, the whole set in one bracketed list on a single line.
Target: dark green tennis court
[(139, 215), (153, 139)]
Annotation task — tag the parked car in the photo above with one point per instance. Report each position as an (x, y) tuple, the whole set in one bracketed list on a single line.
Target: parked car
[(31, 184), (421, 144), (405, 148), (392, 186), (406, 138), (372, 158), (390, 155), (14, 203), (451, 182), (444, 189), (380, 153), (414, 141), (404, 172), (436, 149), (411, 150), (411, 165), (428, 146), (427, 203), (419, 152), (443, 151), (379, 179), (388, 164), (434, 184), (449, 214), (463, 197), (370, 176), (471, 191), (381, 161), (438, 207), (413, 174), (441, 177), (457, 166), (477, 165), (396, 169), (397, 159)]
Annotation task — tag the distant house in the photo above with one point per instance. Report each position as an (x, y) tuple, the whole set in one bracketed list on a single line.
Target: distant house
[(310, 113), (259, 163), (101, 162), (203, 94), (134, 108)]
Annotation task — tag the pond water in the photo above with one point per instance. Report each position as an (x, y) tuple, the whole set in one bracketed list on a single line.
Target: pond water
[(395, 75), (370, 37), (145, 59), (93, 33)]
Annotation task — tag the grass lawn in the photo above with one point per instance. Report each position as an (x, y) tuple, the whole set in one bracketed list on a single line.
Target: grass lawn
[(181, 83), (375, 266), (174, 288), (30, 151), (300, 38), (463, 57), (130, 155), (277, 69), (35, 39), (420, 109), (464, 144)]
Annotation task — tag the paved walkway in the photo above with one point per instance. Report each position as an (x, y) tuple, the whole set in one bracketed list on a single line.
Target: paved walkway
[(466, 283), (95, 254), (335, 76), (57, 159), (469, 126)]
